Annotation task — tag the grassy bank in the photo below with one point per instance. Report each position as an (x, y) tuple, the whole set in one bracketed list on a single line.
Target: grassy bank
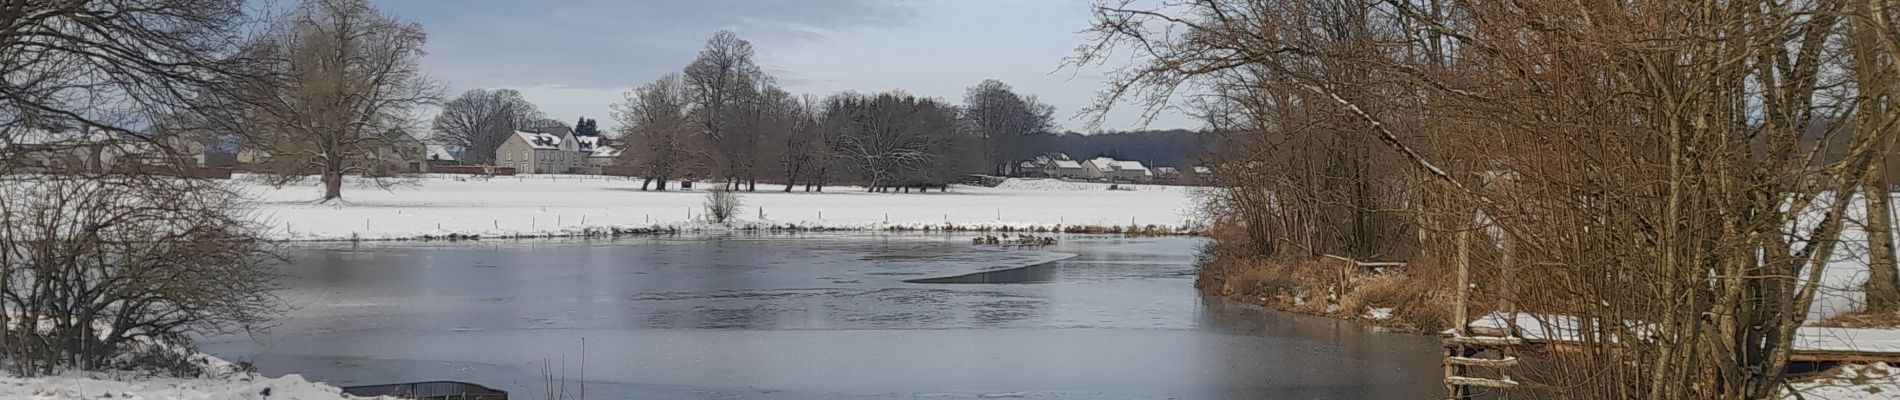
[(1416, 297)]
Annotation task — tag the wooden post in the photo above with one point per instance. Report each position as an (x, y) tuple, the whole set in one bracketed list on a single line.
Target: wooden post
[(1506, 294), (1464, 283)]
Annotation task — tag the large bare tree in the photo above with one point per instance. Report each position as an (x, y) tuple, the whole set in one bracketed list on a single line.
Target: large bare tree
[(892, 140), (658, 130), (108, 68), (718, 85), (339, 80), (479, 120), (1008, 123)]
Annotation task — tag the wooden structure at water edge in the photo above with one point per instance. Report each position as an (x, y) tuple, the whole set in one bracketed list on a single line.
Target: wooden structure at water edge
[(1482, 351), (434, 390)]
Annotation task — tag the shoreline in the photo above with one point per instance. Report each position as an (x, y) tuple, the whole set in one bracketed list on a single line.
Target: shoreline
[(658, 230)]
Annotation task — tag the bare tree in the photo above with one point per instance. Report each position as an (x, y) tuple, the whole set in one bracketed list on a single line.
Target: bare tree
[(337, 78), (479, 121), (658, 130), (93, 268), (92, 264), (1008, 123), (803, 151), (718, 84), (79, 71), (892, 140)]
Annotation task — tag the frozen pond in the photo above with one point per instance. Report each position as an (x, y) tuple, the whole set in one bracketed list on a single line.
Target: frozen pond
[(813, 317)]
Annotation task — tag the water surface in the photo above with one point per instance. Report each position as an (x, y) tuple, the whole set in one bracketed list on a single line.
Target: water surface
[(813, 317)]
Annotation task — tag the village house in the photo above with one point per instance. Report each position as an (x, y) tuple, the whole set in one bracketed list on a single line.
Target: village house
[(64, 151), (602, 157), (540, 153), (555, 152), (401, 153), (1051, 165), (1110, 169)]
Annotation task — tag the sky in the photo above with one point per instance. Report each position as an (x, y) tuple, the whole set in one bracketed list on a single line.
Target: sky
[(575, 58)]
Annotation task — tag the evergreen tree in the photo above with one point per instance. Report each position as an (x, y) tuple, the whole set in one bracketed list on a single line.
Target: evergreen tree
[(586, 127)]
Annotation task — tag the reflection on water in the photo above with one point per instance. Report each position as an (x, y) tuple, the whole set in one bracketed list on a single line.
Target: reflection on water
[(815, 316)]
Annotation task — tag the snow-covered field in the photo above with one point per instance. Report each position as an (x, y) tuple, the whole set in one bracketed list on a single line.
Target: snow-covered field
[(557, 204)]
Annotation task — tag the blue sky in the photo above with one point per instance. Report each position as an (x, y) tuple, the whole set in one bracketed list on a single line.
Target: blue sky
[(575, 57)]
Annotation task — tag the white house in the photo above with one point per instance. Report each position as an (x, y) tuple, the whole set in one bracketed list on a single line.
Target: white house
[(1110, 169), (541, 153), (1051, 165)]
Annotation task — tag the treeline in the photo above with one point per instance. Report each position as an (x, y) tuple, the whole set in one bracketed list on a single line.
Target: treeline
[(723, 118)]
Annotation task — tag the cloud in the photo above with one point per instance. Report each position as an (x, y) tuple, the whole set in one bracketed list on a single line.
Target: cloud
[(593, 43)]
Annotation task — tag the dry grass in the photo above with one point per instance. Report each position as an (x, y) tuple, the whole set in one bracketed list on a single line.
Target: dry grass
[(1420, 293)]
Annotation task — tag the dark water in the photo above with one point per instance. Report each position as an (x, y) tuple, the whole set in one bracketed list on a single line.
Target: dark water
[(814, 317)]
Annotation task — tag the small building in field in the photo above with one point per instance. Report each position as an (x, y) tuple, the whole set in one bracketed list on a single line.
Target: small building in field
[(541, 153)]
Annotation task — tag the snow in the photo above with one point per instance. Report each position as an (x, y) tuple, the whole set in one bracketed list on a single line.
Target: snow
[(1560, 327), (540, 140), (122, 385), (1379, 313), (1852, 382), (540, 205)]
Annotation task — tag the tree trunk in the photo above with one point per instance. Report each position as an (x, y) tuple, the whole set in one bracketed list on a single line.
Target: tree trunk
[(332, 186), (1883, 280), (646, 183)]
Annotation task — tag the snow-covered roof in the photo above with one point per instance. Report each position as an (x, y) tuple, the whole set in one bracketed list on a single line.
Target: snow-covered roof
[(1102, 163), (1066, 164), (441, 153), (1203, 170), (587, 143), (541, 141), (1131, 166), (605, 152), (1165, 171)]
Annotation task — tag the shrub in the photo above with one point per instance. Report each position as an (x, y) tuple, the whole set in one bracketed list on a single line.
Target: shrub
[(722, 205), (90, 268)]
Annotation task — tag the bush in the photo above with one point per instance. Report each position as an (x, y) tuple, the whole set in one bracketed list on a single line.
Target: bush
[(92, 268), (722, 205)]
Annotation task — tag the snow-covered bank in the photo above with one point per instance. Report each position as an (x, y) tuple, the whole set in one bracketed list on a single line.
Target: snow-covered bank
[(102, 385), (544, 205), (1853, 382)]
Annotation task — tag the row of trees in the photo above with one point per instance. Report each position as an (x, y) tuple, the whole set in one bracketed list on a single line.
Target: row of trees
[(723, 117), (1660, 170)]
